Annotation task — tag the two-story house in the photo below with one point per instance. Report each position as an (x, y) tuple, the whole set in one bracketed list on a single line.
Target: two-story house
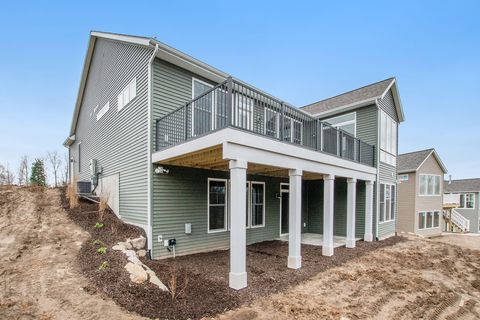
[(463, 196), (420, 193), (203, 161)]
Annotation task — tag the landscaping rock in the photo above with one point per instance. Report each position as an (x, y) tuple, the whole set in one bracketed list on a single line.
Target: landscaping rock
[(126, 244), (141, 253), (138, 243), (132, 257), (152, 277), (137, 273), (119, 247)]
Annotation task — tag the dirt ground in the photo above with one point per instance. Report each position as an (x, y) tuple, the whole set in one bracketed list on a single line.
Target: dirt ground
[(415, 279), (38, 248), (40, 277), (469, 241)]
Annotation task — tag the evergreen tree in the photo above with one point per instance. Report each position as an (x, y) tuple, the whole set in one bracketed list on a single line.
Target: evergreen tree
[(38, 176)]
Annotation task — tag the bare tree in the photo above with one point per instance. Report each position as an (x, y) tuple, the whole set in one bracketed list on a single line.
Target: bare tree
[(23, 176), (66, 163), (55, 163), (6, 176)]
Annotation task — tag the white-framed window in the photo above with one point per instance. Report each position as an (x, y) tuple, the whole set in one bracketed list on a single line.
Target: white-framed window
[(402, 177), (467, 201), (292, 130), (388, 139), (272, 123), (217, 205), (346, 122), (243, 114), (202, 109), (104, 110), (257, 209), (429, 185), (387, 202), (127, 95), (428, 219)]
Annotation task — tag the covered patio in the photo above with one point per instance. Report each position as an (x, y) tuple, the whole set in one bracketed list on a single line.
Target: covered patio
[(316, 239)]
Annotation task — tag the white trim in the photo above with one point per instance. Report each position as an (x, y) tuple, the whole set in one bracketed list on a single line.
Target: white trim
[(225, 205), (390, 219), (149, 154), (281, 212), (250, 203), (425, 219), (403, 177), (434, 185), (465, 197)]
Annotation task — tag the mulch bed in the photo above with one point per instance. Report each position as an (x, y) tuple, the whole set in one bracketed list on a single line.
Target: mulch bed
[(207, 292)]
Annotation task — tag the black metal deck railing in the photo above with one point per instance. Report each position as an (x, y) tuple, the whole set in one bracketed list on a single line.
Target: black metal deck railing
[(234, 104)]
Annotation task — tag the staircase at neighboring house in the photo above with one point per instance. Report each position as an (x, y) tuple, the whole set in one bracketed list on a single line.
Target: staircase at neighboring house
[(456, 220)]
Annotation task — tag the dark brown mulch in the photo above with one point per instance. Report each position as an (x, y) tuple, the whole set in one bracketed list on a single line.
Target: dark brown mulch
[(207, 292), (267, 265)]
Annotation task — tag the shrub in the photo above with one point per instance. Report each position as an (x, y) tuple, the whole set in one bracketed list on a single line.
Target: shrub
[(102, 250), (103, 205), (176, 288), (99, 225), (103, 265), (72, 193)]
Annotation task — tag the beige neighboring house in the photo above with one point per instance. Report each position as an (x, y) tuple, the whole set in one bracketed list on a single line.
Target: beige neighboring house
[(420, 193)]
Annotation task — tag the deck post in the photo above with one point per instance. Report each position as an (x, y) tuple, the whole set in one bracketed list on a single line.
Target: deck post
[(368, 211), (295, 219), (328, 194), (238, 241), (351, 204)]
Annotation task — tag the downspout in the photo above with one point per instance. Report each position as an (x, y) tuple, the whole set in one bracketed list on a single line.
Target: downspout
[(377, 161), (149, 154)]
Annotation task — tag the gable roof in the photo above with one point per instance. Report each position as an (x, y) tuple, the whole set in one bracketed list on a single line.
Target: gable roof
[(160, 50), (363, 96), (462, 185), (412, 161)]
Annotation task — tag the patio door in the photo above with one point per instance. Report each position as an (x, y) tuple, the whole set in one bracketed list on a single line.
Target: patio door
[(284, 205)]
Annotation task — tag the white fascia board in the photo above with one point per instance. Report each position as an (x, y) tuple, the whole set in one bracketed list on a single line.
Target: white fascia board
[(142, 41), (438, 161), (345, 108), (396, 99), (228, 137)]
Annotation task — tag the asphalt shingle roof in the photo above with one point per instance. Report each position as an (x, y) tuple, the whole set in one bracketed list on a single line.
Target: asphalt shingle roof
[(408, 162), (461, 185), (369, 92)]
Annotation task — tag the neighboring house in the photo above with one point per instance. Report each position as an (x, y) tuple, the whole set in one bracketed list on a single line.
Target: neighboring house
[(420, 196), (464, 195), (204, 162)]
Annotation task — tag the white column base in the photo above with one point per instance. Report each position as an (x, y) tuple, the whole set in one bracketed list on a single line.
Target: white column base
[(350, 243), (237, 281), (327, 251), (368, 237), (295, 262)]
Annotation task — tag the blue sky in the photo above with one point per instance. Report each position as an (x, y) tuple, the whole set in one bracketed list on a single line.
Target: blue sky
[(301, 51)]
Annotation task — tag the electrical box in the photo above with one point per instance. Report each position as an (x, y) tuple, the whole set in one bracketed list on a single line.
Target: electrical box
[(165, 243), (160, 238), (188, 228)]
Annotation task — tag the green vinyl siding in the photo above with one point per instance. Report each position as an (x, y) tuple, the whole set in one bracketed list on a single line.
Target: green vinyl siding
[(181, 197), (118, 140)]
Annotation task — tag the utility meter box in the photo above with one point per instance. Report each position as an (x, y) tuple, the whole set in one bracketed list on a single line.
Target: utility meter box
[(93, 172), (188, 228)]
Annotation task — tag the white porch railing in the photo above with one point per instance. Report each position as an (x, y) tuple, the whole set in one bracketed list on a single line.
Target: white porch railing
[(460, 221), (451, 199)]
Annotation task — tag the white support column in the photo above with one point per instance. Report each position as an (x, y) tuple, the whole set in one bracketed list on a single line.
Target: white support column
[(295, 219), (238, 238), (368, 211), (328, 194), (351, 204)]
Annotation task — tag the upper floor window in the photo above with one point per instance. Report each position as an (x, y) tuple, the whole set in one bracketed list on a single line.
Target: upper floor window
[(429, 185), (346, 122), (467, 201), (402, 177), (128, 94), (388, 139)]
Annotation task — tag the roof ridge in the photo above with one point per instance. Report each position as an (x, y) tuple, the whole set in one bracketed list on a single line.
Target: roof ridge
[(429, 149), (346, 92)]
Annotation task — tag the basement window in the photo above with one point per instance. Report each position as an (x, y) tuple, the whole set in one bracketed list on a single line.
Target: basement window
[(217, 205), (387, 202), (428, 220)]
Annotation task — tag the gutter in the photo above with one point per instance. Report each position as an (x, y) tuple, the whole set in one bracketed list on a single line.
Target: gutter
[(149, 153)]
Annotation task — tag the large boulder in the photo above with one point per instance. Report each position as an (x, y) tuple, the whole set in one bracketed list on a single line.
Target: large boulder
[(137, 273), (155, 280), (138, 243), (119, 247)]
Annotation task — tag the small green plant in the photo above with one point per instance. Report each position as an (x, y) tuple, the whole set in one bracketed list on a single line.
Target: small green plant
[(99, 225), (98, 242), (103, 266), (102, 250)]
